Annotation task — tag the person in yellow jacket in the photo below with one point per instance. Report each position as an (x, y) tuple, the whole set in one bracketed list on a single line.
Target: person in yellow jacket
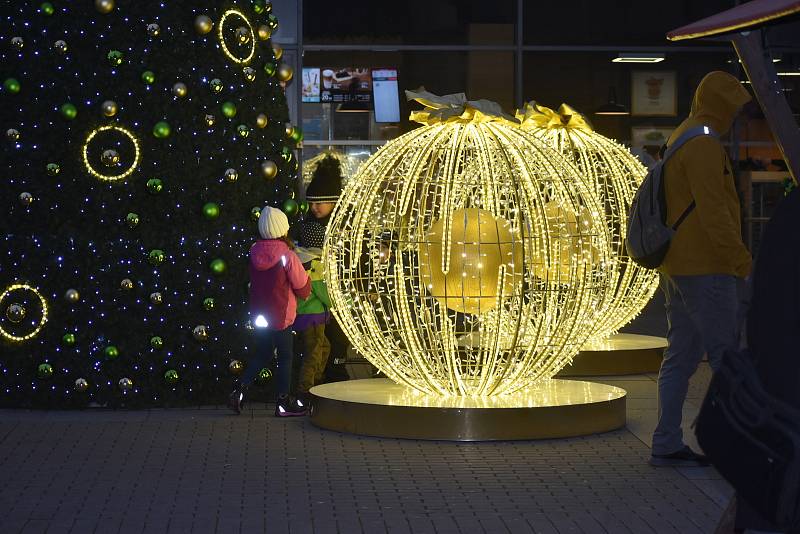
[(706, 260)]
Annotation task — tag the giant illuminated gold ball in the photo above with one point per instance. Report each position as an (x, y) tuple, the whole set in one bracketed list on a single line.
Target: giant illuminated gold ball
[(466, 280), (466, 257), (614, 174)]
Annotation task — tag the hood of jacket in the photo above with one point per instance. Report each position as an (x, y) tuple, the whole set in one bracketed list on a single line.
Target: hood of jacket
[(718, 99), (268, 252)]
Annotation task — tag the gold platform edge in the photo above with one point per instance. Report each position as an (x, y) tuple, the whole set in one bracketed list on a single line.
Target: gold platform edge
[(466, 424)]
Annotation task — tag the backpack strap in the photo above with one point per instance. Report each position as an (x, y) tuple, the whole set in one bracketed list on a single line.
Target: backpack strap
[(691, 133)]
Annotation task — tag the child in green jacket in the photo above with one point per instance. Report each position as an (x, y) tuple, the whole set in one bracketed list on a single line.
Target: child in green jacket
[(313, 314)]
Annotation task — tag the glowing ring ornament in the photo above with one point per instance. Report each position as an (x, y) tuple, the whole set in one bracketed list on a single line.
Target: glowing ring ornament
[(112, 177), (465, 258), (42, 321), (221, 36)]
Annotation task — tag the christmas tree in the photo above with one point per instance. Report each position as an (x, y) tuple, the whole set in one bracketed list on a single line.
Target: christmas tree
[(140, 141)]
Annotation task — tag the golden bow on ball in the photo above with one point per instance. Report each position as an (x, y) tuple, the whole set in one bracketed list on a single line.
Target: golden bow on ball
[(455, 108), (544, 117)]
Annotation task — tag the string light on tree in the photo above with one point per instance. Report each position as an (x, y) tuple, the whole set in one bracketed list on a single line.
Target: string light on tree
[(129, 141)]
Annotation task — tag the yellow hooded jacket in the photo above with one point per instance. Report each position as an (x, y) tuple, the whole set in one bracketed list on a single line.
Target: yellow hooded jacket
[(709, 241)]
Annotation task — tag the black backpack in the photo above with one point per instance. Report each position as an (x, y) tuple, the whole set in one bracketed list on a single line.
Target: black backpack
[(749, 423)]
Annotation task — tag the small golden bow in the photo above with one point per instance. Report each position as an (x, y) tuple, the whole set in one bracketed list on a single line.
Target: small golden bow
[(455, 108), (537, 116)]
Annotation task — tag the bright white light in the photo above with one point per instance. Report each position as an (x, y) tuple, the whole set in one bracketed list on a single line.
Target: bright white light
[(261, 322), (635, 57)]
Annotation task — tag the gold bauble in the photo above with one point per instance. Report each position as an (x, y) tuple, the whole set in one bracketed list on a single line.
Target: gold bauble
[(264, 32), (288, 128), (125, 384), (126, 284), (200, 332), (72, 296), (479, 245), (16, 313), (210, 120), (231, 175), (277, 50), (109, 108), (203, 24), (269, 169), (180, 89), (236, 367), (568, 249), (104, 6), (284, 72), (262, 120), (156, 298)]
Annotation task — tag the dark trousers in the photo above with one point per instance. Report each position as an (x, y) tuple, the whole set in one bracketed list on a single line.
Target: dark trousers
[(267, 341)]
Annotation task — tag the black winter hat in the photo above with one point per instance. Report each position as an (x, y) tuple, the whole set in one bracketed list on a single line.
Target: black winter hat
[(326, 181)]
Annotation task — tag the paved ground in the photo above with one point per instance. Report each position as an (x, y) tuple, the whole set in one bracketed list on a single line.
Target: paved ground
[(203, 470)]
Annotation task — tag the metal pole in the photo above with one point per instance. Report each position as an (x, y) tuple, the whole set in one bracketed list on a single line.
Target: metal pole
[(764, 80)]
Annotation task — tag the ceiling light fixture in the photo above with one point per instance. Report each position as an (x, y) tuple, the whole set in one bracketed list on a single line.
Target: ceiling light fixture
[(636, 57)]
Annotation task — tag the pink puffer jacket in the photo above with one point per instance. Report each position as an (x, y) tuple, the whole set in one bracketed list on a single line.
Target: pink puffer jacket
[(277, 278)]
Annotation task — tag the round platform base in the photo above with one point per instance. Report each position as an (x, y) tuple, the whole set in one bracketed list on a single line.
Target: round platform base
[(621, 354), (550, 409)]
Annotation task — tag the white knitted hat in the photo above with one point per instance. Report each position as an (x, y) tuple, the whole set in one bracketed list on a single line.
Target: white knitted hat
[(272, 223)]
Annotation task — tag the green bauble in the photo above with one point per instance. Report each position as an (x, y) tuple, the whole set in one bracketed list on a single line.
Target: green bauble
[(297, 134), (132, 220), (156, 342), (149, 77), (69, 111), (111, 352), (171, 376), (45, 370), (156, 256), (259, 5), (155, 185), (229, 109), (47, 8), (211, 210), (209, 303), (273, 22), (270, 68), (264, 376), (161, 130), (243, 130), (290, 207), (68, 339), (53, 169), (115, 58), (218, 266), (255, 213), (12, 85)]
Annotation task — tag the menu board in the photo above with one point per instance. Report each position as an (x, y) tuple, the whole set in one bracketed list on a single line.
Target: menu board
[(311, 84), (346, 84), (387, 101)]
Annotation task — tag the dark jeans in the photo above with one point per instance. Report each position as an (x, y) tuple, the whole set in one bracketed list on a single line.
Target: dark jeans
[(266, 341)]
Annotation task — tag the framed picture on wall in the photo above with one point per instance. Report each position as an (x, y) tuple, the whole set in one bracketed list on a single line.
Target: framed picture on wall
[(653, 93), (650, 136)]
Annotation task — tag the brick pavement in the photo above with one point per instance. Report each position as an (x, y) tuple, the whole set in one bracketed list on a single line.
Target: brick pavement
[(207, 471), (203, 470)]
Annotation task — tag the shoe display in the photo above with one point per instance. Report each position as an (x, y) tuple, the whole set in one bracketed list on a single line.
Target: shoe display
[(289, 407), (236, 400), (685, 457)]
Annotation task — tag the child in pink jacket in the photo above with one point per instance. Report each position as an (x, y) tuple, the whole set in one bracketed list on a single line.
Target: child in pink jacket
[(277, 279)]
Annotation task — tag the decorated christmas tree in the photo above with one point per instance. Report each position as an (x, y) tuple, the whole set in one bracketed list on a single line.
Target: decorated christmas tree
[(140, 140)]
